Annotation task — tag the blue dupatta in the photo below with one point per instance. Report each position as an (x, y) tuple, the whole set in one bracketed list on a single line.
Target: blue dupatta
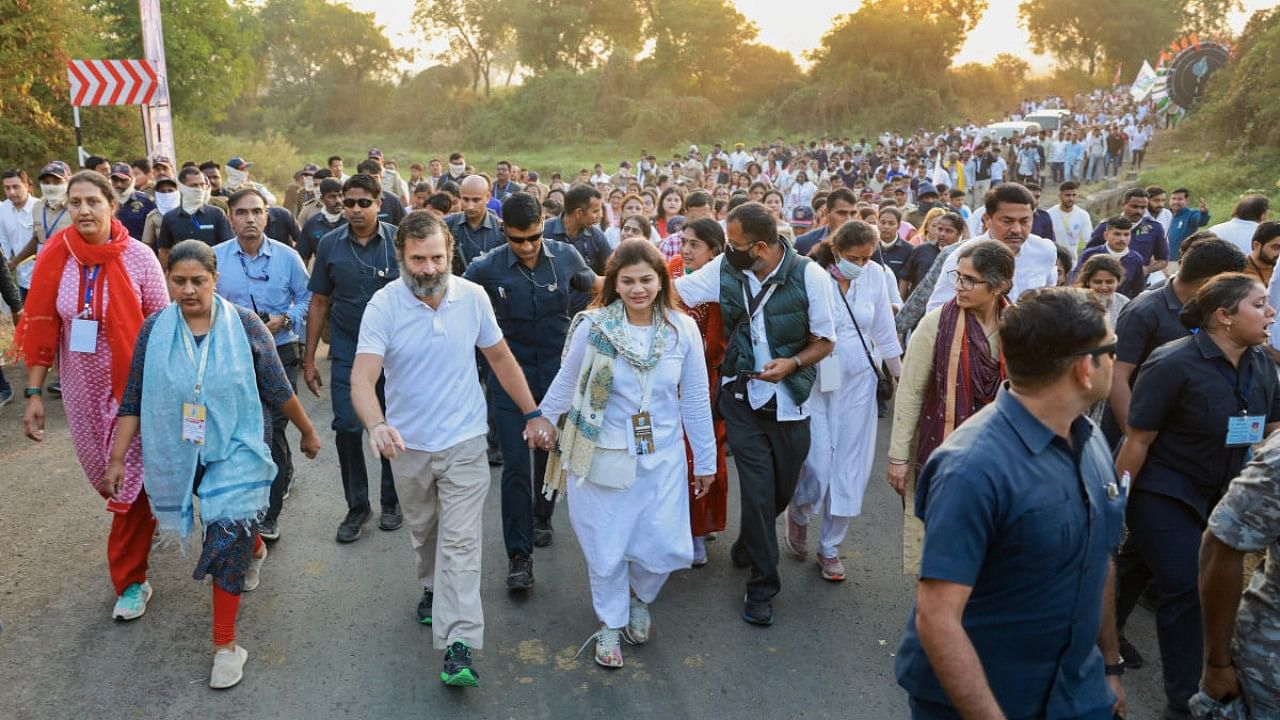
[(237, 463)]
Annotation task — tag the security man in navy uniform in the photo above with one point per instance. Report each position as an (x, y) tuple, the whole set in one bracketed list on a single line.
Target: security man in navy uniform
[(579, 226), (1014, 612), (535, 284)]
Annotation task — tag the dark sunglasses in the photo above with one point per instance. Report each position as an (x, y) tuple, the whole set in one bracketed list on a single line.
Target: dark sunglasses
[(1095, 353), (522, 240), (352, 202)]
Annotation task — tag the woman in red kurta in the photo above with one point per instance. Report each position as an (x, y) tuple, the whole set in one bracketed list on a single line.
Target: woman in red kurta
[(702, 240)]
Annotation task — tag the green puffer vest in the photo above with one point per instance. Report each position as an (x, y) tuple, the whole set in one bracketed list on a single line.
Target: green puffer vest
[(786, 321)]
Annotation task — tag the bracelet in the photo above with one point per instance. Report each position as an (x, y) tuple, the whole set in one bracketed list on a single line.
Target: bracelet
[(897, 462), (380, 422), (799, 362), (33, 392), (537, 413)]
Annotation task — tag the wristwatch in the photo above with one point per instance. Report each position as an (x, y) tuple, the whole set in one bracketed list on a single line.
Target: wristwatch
[(1114, 670), (33, 392)]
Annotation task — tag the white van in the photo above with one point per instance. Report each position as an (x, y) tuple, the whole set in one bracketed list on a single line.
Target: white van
[(1049, 119), (1006, 130)]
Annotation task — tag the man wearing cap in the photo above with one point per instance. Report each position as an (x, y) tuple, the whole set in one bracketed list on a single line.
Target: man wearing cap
[(391, 180), (48, 216), (161, 165), (133, 206), (302, 190), (328, 218), (475, 230), (738, 159), (238, 177), (194, 218), (166, 197)]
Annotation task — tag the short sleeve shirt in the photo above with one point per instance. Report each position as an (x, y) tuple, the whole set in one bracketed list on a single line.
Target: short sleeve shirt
[(474, 242), (1186, 392), (591, 243), (207, 224), (417, 343), (1147, 322), (349, 274), (1028, 522)]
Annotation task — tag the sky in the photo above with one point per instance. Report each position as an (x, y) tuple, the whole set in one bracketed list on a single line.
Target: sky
[(796, 26)]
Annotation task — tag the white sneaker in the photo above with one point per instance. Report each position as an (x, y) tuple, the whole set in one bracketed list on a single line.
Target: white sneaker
[(228, 668), (132, 602), (637, 630), (699, 551), (608, 647), (253, 575)]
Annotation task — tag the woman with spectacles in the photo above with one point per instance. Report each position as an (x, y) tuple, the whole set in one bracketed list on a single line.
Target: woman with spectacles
[(952, 369), (1200, 404), (843, 407)]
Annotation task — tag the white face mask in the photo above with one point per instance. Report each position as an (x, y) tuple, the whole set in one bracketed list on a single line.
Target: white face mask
[(122, 196), (308, 183), (456, 170), (235, 178), (192, 198), (167, 200), (53, 194)]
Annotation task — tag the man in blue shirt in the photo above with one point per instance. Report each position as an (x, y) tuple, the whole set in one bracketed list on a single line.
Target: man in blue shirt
[(1014, 613), (475, 230), (580, 227), (257, 272), (134, 206), (326, 220), (531, 282), (1041, 221), (842, 205), (195, 218), (1147, 237), (1117, 245), (352, 263), (503, 185), (1185, 220)]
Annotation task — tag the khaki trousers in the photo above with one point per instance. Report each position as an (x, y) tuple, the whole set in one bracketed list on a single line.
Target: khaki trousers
[(442, 499)]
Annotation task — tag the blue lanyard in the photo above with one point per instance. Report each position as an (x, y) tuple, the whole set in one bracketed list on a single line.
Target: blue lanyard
[(44, 218), (1234, 382), (88, 276)]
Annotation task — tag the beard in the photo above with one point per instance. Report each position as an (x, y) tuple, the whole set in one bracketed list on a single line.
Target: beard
[(425, 286)]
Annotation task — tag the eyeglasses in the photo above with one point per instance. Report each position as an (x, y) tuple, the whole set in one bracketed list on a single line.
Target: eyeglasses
[(522, 240), (630, 230), (352, 202), (1108, 349), (964, 282)]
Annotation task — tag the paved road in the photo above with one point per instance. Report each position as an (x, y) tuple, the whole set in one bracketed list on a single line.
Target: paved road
[(332, 633)]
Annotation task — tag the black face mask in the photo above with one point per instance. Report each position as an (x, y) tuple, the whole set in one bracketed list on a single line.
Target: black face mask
[(740, 259)]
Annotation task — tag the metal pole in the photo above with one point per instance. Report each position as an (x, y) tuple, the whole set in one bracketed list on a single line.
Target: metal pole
[(80, 153)]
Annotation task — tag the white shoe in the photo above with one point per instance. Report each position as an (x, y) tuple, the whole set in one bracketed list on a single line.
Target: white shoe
[(253, 575), (132, 602), (228, 668), (637, 630)]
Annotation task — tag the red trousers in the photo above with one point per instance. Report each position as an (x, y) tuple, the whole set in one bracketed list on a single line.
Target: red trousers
[(129, 544), (225, 607)]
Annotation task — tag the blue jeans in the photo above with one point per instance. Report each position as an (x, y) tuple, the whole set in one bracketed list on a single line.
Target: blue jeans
[(5, 389)]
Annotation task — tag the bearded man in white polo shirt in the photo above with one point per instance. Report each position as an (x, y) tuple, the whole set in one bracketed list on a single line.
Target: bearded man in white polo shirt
[(422, 330)]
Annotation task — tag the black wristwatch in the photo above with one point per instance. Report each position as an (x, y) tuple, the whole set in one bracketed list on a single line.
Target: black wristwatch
[(1113, 670)]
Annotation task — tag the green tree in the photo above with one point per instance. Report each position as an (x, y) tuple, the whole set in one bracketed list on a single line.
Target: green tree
[(578, 34), (208, 47), (475, 29), (961, 15), (695, 41)]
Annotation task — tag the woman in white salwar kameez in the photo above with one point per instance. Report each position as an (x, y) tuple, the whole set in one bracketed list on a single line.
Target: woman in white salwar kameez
[(633, 379), (844, 413)]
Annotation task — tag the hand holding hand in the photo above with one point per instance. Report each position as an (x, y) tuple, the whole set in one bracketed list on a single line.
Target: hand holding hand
[(1220, 683), (540, 434)]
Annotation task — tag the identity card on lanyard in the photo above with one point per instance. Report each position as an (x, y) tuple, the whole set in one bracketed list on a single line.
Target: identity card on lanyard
[(1244, 429), (194, 413), (641, 423), (84, 329)]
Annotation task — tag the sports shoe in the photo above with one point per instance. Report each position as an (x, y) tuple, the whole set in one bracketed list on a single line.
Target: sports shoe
[(608, 647), (253, 575), (457, 667), (228, 668), (832, 568), (520, 573), (353, 526), (54, 389), (637, 630), (132, 602), (699, 552), (424, 606), (6, 397), (391, 519), (542, 533), (757, 612), (797, 536), (269, 529)]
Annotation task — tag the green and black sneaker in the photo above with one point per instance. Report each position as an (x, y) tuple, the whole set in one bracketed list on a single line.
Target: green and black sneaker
[(457, 667), (424, 606)]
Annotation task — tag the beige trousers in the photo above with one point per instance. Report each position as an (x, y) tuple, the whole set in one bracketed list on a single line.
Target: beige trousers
[(442, 499)]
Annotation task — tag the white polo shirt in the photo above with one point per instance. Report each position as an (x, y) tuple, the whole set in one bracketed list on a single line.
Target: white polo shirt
[(433, 388), (1036, 266)]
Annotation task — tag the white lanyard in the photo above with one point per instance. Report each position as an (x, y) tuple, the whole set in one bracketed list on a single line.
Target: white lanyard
[(646, 376), (187, 339)]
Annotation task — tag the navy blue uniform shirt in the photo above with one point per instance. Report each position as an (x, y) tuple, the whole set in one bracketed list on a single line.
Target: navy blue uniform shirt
[(590, 243), (534, 317), (208, 224), (133, 213), (474, 242), (350, 274), (1025, 519)]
